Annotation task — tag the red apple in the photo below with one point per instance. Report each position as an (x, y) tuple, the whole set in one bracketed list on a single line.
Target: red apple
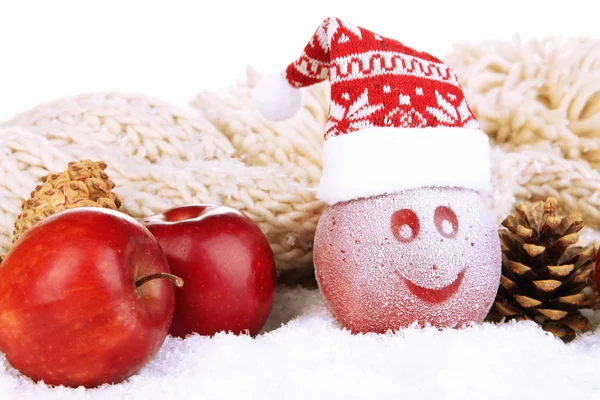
[(80, 299), (226, 263)]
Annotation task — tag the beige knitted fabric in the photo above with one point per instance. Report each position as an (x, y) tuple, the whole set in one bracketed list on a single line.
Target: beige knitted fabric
[(539, 101), (160, 156)]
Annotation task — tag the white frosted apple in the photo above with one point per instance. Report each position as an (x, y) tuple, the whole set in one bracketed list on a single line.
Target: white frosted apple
[(427, 255)]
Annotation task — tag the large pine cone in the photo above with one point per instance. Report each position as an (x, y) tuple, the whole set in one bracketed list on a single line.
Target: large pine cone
[(544, 277)]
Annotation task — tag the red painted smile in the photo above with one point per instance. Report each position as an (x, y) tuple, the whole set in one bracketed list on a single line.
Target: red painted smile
[(435, 295)]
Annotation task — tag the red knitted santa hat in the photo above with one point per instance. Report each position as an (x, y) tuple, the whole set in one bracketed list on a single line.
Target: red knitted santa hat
[(398, 118)]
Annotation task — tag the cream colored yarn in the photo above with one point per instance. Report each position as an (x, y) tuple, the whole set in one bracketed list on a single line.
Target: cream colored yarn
[(538, 100), (159, 156), (538, 90)]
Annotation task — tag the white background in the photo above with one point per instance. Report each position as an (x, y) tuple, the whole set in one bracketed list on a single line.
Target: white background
[(172, 49)]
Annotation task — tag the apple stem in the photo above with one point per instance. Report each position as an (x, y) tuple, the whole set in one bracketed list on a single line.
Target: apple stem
[(175, 279)]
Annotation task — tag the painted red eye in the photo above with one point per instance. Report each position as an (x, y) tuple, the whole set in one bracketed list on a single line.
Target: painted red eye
[(405, 225), (445, 222)]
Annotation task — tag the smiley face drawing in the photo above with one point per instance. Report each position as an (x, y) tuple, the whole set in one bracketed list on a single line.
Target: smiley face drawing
[(429, 256)]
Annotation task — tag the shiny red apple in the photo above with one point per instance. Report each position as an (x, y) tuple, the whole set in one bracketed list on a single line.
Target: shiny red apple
[(226, 263), (86, 298)]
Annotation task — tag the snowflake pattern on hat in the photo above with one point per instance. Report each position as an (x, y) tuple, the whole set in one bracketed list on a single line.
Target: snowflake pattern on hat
[(376, 81), (398, 118)]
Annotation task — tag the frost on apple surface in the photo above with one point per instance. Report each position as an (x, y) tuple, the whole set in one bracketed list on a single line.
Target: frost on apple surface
[(427, 255)]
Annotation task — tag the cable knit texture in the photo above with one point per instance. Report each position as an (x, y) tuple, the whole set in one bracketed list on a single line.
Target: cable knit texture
[(539, 101)]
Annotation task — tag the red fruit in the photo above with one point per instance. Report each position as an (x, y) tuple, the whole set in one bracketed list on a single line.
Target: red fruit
[(426, 255), (227, 265), (78, 302)]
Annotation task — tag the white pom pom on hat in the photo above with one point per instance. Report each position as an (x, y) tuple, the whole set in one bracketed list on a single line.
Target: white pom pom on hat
[(276, 99)]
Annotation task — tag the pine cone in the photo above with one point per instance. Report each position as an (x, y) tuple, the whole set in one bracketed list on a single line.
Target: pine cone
[(544, 277), (82, 184)]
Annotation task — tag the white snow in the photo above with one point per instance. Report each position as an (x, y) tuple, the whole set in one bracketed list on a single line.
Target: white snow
[(447, 227), (306, 355)]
